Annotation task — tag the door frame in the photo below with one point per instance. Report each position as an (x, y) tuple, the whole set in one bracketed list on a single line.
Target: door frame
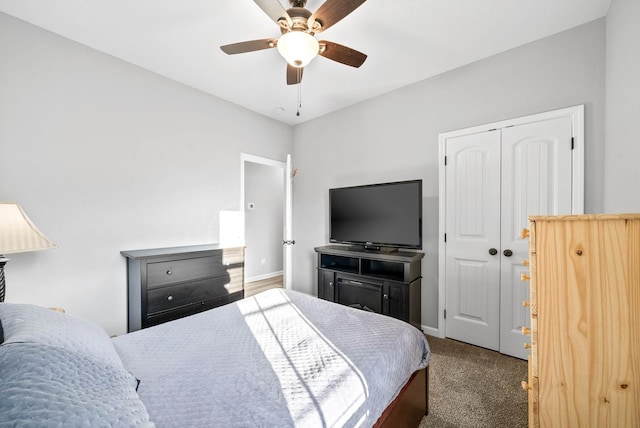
[(577, 180), (244, 158)]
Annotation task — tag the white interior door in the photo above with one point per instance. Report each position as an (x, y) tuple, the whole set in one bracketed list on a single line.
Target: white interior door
[(288, 241), (473, 239), (536, 180)]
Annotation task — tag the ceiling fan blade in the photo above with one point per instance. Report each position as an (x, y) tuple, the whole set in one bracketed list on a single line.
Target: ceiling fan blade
[(249, 46), (333, 11), (342, 54), (294, 74), (275, 10)]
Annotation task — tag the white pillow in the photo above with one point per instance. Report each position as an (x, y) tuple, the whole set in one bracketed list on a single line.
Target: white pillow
[(23, 323)]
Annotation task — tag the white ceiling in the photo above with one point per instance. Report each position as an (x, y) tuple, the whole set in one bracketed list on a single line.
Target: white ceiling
[(406, 41)]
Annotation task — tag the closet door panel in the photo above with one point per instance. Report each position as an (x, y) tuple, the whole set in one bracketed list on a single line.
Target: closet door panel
[(536, 180), (472, 273)]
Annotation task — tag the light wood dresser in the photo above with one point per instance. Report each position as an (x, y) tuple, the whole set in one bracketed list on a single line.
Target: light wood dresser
[(584, 367)]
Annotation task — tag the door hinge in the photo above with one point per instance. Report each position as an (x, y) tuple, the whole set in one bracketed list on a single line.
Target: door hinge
[(445, 314), (572, 141)]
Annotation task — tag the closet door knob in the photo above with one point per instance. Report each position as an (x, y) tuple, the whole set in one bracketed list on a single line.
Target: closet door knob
[(493, 251), (507, 253)]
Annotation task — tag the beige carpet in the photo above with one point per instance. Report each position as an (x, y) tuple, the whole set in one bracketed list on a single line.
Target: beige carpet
[(474, 387)]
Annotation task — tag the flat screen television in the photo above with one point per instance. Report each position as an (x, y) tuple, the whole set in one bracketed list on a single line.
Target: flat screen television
[(377, 215)]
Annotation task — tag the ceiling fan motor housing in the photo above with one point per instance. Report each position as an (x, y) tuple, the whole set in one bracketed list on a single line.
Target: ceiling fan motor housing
[(299, 21)]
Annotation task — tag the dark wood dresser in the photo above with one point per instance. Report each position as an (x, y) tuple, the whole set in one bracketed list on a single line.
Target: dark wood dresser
[(169, 283)]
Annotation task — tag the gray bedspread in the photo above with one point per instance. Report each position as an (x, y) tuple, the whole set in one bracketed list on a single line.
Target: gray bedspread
[(277, 359)]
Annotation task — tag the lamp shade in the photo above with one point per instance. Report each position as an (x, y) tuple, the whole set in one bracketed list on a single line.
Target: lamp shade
[(298, 47), (17, 233)]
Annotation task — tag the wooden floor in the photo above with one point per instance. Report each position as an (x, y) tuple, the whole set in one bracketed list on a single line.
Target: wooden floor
[(251, 288)]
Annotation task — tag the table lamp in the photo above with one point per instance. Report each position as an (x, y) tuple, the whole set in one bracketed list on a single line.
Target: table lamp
[(17, 234)]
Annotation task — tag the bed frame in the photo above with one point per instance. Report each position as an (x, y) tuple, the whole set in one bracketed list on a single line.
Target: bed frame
[(411, 404)]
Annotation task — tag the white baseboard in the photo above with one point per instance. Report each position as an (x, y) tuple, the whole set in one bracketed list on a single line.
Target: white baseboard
[(430, 331), (262, 277)]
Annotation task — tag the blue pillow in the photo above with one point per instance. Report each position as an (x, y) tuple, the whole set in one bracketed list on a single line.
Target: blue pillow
[(24, 323), (50, 386)]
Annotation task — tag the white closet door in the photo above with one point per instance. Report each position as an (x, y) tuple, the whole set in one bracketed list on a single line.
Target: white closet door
[(472, 230), (496, 176), (536, 180)]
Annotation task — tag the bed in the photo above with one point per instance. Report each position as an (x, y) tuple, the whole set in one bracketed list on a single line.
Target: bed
[(279, 358)]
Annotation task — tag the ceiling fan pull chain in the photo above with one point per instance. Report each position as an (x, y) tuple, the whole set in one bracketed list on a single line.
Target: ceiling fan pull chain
[(299, 94)]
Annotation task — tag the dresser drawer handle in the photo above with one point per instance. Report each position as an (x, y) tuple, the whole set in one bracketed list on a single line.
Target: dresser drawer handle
[(169, 272), (170, 298)]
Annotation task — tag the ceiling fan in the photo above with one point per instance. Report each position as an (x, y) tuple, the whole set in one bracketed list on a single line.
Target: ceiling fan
[(297, 43)]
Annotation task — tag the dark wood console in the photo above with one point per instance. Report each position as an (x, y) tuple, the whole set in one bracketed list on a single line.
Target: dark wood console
[(386, 283), (169, 283)]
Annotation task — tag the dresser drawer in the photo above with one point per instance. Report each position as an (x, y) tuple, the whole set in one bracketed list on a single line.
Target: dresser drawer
[(164, 298), (161, 317), (232, 256), (164, 273)]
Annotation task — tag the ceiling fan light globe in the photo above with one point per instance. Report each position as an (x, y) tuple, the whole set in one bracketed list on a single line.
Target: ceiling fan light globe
[(298, 48)]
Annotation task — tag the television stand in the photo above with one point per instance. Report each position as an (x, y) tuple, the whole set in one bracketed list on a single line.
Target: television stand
[(386, 283)]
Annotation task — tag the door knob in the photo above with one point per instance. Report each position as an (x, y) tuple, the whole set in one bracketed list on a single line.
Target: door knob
[(493, 251), (507, 253)]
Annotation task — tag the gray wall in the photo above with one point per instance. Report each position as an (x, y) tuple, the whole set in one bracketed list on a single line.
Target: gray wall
[(622, 160), (395, 136), (105, 156), (264, 187)]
